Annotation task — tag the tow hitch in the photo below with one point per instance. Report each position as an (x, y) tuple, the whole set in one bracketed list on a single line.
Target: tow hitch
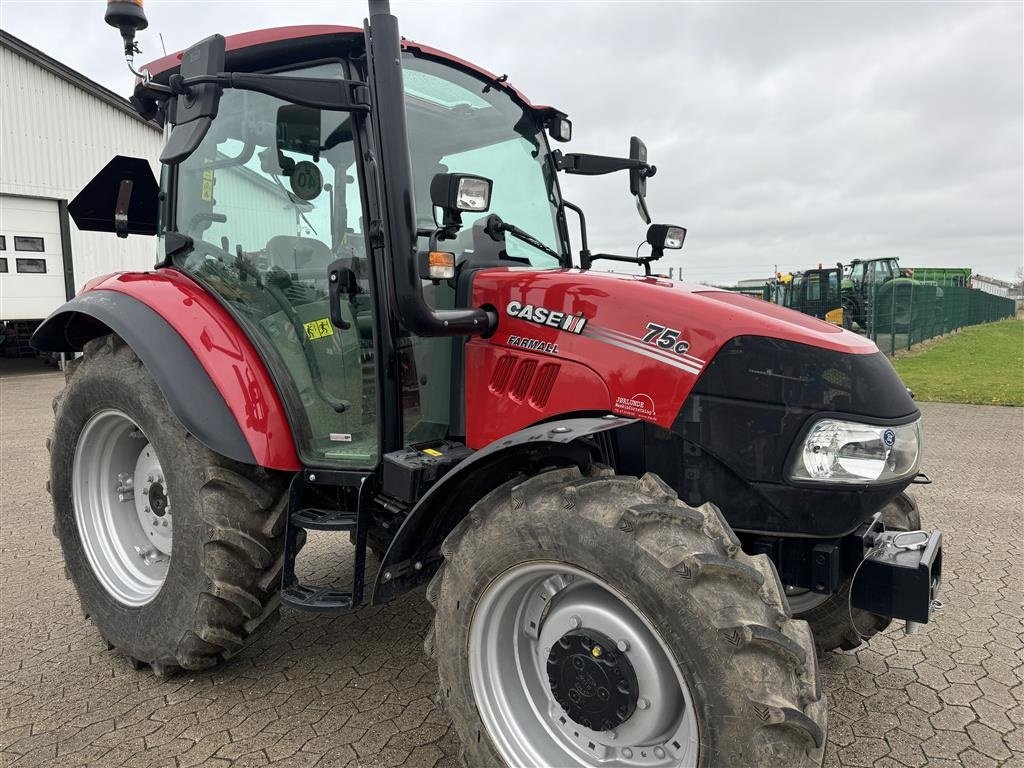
[(900, 576)]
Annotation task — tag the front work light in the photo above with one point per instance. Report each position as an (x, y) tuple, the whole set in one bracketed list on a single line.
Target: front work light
[(837, 451), (662, 236), (560, 128), (460, 192)]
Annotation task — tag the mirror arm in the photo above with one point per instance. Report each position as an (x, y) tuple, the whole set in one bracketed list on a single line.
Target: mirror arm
[(585, 256), (598, 165), (316, 92), (644, 261)]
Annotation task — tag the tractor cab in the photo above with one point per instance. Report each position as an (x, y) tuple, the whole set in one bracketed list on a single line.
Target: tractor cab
[(814, 292), (286, 173), (273, 208)]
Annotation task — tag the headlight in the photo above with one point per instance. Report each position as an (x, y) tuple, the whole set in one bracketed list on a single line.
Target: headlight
[(848, 452)]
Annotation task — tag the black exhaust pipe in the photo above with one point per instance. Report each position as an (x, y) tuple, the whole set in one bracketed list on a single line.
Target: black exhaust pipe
[(384, 55)]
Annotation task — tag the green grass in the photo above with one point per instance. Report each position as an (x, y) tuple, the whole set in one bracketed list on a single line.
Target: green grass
[(983, 364)]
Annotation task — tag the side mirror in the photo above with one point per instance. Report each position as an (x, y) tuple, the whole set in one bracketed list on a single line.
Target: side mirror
[(638, 177), (662, 236), (455, 193), (192, 114), (123, 198)]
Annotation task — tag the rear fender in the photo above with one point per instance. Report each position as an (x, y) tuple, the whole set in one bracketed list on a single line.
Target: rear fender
[(413, 556), (207, 369)]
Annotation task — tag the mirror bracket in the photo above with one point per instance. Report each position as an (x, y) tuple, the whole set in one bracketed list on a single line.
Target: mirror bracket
[(124, 199)]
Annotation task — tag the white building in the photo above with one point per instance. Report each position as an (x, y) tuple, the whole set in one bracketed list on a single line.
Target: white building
[(992, 285), (58, 128)]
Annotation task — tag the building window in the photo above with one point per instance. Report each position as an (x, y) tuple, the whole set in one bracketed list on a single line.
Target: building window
[(34, 244), (35, 266), (3, 242), (3, 265)]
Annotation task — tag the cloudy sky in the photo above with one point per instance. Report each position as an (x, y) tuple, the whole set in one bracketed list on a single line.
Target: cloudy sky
[(784, 133)]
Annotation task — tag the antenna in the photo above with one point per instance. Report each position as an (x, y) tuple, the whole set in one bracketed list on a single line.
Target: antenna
[(161, 34)]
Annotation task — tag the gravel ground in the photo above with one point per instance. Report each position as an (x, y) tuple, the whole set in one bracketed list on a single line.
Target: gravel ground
[(356, 690)]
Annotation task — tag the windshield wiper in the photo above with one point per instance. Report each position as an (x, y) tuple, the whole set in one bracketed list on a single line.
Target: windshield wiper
[(495, 227)]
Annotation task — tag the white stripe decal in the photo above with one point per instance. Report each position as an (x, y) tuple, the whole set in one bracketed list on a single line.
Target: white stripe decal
[(642, 350), (626, 337)]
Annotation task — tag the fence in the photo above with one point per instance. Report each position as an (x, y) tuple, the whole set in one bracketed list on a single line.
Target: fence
[(901, 313)]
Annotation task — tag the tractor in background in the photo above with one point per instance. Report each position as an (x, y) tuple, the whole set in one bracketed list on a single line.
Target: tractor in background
[(879, 296), (814, 292)]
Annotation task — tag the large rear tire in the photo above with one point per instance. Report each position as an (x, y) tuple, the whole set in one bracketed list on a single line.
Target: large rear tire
[(830, 615), (555, 585), (175, 551)]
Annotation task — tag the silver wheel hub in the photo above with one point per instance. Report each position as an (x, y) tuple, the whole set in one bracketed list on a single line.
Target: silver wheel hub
[(122, 508), (521, 617)]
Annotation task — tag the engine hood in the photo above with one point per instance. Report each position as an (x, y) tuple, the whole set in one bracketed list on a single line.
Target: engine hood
[(572, 340)]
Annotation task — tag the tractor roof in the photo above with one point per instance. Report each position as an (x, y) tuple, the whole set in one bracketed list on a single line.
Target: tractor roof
[(289, 45)]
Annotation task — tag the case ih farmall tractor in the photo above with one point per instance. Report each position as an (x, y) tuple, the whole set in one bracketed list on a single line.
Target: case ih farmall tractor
[(632, 499)]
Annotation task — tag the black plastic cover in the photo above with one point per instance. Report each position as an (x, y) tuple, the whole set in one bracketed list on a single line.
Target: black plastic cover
[(785, 373)]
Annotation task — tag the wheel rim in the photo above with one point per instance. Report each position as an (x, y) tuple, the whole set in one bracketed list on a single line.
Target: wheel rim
[(802, 600), (122, 508), (521, 617)]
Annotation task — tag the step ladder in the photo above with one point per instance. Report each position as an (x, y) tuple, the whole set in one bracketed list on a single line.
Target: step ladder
[(303, 517)]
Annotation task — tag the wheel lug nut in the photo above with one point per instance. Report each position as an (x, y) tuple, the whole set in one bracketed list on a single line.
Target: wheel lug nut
[(627, 753), (659, 753), (642, 703), (622, 645), (611, 735), (575, 622)]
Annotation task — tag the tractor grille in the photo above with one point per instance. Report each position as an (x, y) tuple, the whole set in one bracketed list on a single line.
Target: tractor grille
[(543, 384), (502, 371), (523, 379)]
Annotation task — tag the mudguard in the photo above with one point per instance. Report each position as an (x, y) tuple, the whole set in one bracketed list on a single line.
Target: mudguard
[(413, 556), (212, 377)]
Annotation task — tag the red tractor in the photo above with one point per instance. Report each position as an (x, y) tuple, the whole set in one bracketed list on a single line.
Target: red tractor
[(628, 496)]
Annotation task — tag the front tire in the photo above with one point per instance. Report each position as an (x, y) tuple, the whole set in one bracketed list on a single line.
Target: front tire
[(186, 575), (706, 667)]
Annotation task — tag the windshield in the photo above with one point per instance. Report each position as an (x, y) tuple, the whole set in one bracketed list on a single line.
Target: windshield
[(457, 125)]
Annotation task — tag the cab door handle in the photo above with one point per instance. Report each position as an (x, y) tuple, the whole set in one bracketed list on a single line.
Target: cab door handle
[(337, 274)]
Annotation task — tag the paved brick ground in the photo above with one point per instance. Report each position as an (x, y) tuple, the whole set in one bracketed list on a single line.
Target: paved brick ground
[(356, 690)]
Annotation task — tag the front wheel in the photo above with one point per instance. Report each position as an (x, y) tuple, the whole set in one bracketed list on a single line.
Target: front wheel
[(599, 621), (175, 551)]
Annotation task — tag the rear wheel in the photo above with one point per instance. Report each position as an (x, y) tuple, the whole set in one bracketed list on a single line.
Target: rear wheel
[(830, 616), (175, 551), (585, 621)]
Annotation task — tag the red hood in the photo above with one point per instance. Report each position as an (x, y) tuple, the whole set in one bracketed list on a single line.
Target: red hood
[(595, 345)]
